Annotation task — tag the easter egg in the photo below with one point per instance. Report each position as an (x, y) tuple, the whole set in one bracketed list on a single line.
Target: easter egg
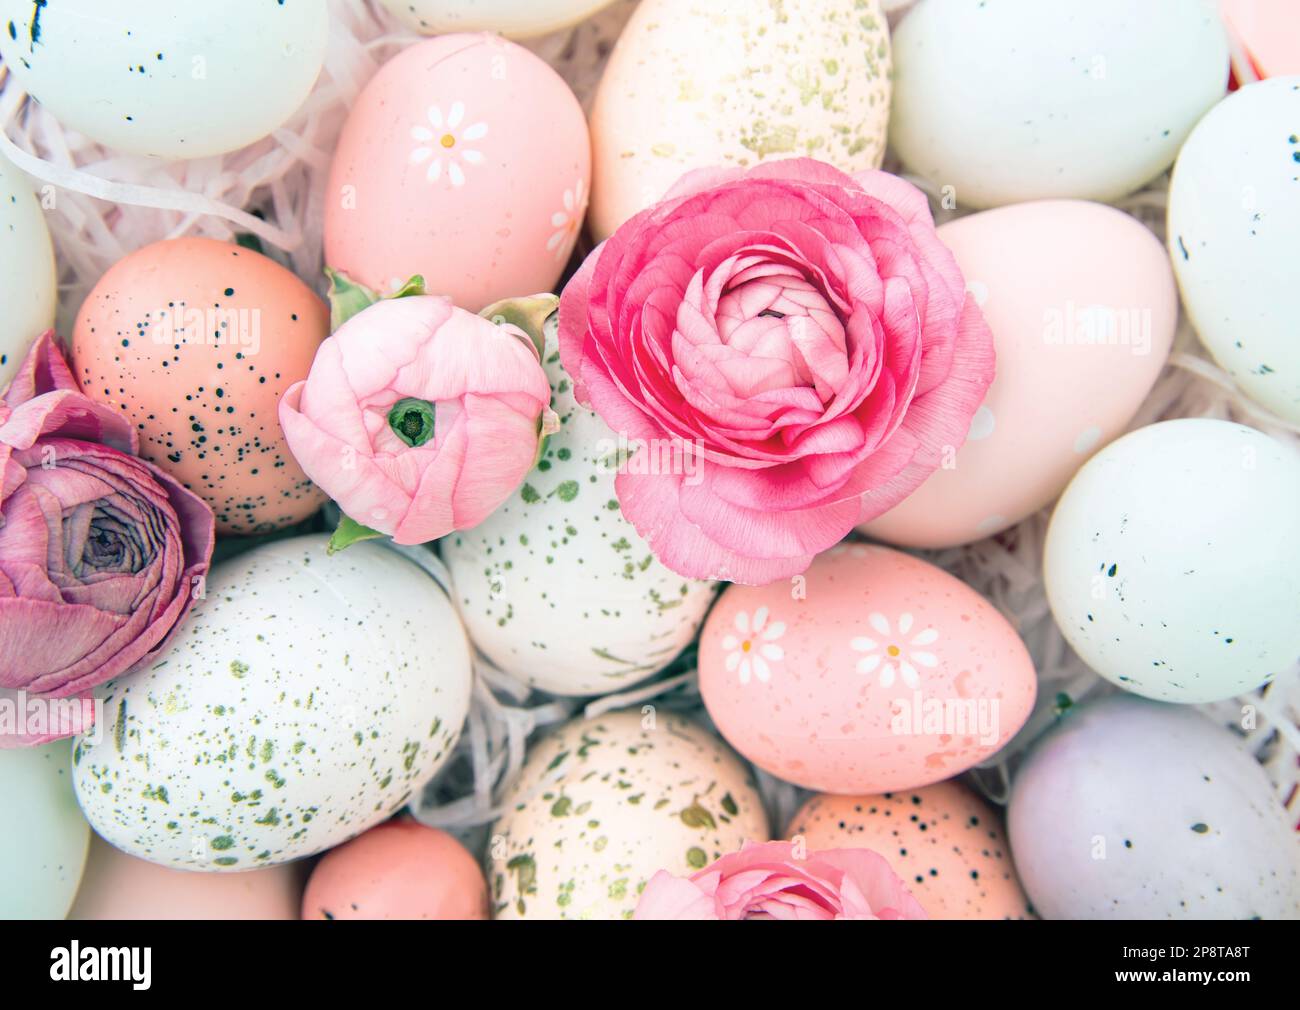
[(195, 341), (1022, 100), (1234, 237), (397, 870), (1130, 809), (693, 84), (465, 160), (945, 842), (159, 78), (118, 886), (1081, 335), (555, 587), (874, 671), (1268, 33), (604, 804), (1172, 562), (304, 701), (519, 19), (43, 843), (28, 278)]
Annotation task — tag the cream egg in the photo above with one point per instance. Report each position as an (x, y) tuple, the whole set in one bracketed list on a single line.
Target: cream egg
[(44, 839), (29, 283), (1234, 236), (945, 842), (466, 160), (1082, 329), (555, 587), (174, 80), (604, 804), (1000, 102), (397, 870), (693, 84), (117, 886), (1172, 561), (874, 671), (195, 341), (307, 697), (1130, 809), (519, 19)]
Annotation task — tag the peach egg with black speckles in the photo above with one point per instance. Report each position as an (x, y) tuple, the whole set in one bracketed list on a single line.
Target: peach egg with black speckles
[(195, 340), (946, 843)]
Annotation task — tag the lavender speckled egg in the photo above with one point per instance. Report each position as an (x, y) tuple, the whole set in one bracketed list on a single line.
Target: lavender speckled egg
[(195, 341), (305, 700), (1133, 809), (556, 587), (944, 841), (28, 279), (603, 804)]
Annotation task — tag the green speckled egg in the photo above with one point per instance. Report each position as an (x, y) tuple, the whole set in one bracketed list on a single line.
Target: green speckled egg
[(556, 587), (306, 699), (603, 804)]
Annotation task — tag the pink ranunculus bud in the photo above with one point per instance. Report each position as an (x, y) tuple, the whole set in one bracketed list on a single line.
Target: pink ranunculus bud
[(417, 417), (101, 554), (773, 880), (802, 332)]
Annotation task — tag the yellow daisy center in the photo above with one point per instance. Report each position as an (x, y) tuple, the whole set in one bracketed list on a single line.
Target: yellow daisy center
[(744, 646), (447, 140), (893, 650)]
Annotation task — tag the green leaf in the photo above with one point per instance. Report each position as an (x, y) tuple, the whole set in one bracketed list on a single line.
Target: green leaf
[(415, 286), (348, 533), (529, 314), (346, 297)]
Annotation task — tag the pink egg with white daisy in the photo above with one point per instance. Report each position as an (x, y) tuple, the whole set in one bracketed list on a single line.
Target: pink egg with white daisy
[(871, 672), (466, 160)]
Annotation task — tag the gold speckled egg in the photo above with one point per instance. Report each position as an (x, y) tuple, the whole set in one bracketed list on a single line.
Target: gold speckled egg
[(195, 340), (945, 842)]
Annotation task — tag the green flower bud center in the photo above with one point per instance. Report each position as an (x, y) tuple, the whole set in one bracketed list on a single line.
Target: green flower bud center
[(412, 420)]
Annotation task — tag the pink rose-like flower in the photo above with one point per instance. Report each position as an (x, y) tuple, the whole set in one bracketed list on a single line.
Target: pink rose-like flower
[(418, 417), (802, 334), (101, 554), (767, 881)]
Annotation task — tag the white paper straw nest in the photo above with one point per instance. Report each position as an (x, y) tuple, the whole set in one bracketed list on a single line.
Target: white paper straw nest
[(102, 205)]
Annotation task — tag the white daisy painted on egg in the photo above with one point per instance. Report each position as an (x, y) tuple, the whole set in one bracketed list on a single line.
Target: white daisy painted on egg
[(566, 222), (893, 651), (754, 648), (443, 144)]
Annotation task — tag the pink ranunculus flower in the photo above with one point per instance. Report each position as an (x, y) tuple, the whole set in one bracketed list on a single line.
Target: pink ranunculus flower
[(417, 417), (101, 554), (802, 332), (769, 881)]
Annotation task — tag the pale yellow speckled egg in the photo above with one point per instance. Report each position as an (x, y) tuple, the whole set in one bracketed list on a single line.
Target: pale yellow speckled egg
[(603, 804), (694, 83)]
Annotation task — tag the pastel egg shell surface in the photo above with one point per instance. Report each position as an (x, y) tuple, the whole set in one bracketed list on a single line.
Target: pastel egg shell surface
[(1172, 561), (556, 587), (195, 341), (1133, 809), (517, 19), (873, 672), (166, 79), (28, 278), (1082, 327), (1269, 33), (304, 701), (603, 804), (466, 160)]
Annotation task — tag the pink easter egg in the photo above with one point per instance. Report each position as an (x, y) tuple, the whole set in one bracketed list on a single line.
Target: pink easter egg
[(397, 870), (1267, 33), (466, 160), (871, 672)]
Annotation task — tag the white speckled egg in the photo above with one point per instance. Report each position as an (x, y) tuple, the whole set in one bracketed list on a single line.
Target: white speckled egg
[(305, 700), (1011, 100), (1130, 809), (556, 587), (1172, 561), (1234, 237), (156, 77), (603, 804), (28, 278), (44, 838), (695, 83), (517, 19)]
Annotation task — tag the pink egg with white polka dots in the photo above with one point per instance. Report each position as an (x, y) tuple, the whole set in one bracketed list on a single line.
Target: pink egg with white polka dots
[(873, 671)]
